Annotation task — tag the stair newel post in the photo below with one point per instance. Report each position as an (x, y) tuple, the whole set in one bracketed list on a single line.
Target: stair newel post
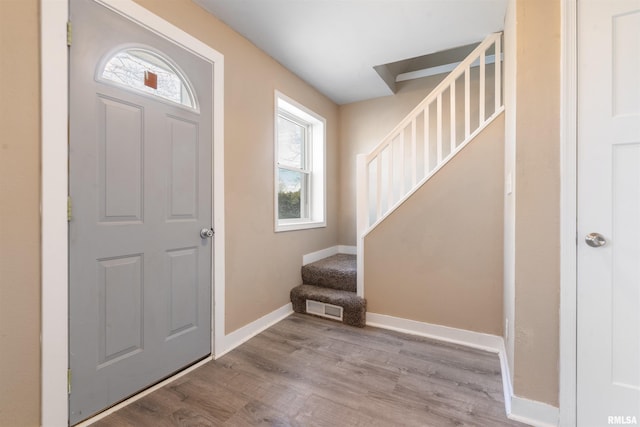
[(362, 217)]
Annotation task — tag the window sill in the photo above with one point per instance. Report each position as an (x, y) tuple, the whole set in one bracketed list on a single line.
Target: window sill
[(293, 226)]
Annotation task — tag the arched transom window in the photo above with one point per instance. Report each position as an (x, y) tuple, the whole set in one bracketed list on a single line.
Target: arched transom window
[(146, 71)]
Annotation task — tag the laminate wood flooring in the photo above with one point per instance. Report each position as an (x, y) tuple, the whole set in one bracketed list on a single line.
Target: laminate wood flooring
[(306, 371)]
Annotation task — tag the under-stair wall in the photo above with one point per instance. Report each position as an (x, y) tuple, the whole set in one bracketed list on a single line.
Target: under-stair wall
[(440, 214), (439, 257)]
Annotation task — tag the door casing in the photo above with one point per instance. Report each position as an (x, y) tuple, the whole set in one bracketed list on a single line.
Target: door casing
[(54, 227), (568, 211)]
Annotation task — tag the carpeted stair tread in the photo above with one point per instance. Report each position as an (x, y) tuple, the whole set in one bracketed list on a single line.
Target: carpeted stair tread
[(354, 307), (336, 272)]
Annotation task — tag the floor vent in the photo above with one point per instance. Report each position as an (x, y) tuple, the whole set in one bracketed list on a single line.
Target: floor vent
[(325, 310)]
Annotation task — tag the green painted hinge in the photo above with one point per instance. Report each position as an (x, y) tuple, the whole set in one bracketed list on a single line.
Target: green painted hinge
[(69, 33), (68, 381), (68, 208)]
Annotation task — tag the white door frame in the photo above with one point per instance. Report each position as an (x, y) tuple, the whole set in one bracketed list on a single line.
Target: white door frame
[(568, 211), (54, 228)]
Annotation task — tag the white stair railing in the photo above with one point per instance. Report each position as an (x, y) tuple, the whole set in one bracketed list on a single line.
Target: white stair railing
[(427, 138)]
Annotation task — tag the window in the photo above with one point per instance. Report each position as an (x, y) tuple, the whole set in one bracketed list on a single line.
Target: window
[(148, 72), (299, 166)]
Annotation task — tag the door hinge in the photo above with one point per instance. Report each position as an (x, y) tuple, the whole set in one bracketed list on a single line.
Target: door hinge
[(68, 208), (69, 33), (68, 381)]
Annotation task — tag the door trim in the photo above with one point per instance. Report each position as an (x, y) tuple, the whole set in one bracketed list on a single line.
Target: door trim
[(568, 212), (54, 228)]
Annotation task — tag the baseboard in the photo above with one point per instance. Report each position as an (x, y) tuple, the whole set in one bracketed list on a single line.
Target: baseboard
[(344, 249), (323, 253), (534, 413), (239, 336), (531, 412), (507, 387), (477, 340)]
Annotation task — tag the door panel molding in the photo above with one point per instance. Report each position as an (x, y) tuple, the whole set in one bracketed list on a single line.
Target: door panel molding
[(54, 100)]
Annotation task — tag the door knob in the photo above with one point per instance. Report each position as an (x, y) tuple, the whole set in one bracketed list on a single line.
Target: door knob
[(595, 240), (206, 233)]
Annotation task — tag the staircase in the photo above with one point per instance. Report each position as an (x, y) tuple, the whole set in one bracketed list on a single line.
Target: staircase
[(329, 290), (450, 117)]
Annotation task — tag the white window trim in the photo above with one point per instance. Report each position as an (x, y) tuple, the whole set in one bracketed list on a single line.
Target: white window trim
[(316, 156)]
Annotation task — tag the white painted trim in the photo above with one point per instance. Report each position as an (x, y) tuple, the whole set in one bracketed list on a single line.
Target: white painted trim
[(54, 282), (54, 100), (516, 408), (533, 413), (349, 250), (510, 169), (318, 255), (245, 333), (318, 167), (507, 387), (568, 213), (487, 342), (324, 253)]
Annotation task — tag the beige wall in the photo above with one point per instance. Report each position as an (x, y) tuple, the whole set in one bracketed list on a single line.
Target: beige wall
[(537, 244), (19, 214), (438, 258), (261, 266)]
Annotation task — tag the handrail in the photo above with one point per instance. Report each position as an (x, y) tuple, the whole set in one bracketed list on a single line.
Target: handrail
[(394, 169)]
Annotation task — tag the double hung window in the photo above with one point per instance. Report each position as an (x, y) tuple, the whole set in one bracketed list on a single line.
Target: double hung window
[(299, 168)]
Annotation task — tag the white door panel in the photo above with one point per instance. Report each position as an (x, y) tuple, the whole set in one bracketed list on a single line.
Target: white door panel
[(609, 204)]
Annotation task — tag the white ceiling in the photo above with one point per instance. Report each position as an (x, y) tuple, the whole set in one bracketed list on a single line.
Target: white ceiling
[(334, 44)]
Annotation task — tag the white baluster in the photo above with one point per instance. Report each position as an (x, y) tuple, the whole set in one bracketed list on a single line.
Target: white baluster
[(427, 144), (467, 102), (452, 115), (414, 157), (378, 186), (498, 77), (439, 128), (482, 84)]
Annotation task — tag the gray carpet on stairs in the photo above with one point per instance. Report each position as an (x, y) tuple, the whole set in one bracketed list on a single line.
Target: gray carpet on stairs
[(331, 280), (336, 272)]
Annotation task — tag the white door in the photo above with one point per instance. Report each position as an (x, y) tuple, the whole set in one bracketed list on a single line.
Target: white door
[(140, 182), (608, 204)]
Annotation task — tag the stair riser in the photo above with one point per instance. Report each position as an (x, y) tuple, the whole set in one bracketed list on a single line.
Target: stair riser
[(354, 308)]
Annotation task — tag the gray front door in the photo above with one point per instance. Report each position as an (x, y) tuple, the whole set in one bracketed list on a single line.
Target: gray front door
[(140, 183)]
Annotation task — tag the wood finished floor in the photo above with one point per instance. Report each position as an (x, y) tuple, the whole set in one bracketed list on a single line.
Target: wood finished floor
[(306, 371)]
